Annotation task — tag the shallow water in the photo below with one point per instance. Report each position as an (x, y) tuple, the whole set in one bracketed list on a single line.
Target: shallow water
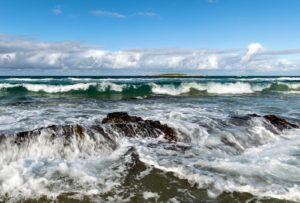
[(261, 166)]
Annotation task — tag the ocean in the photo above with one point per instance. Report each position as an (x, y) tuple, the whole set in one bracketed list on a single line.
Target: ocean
[(221, 153)]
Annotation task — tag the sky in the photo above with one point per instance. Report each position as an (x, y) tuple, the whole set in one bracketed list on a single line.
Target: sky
[(134, 37)]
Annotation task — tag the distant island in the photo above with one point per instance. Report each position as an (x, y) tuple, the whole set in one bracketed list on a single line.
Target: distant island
[(176, 75)]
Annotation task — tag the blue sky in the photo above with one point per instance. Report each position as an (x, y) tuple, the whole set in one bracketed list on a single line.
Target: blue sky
[(203, 28)]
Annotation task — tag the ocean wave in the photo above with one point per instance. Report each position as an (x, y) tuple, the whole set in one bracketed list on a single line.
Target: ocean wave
[(231, 88), (294, 86), (148, 89), (211, 88), (269, 79), (64, 88), (56, 88), (111, 86), (235, 88), (289, 78), (80, 79), (7, 85), (172, 90)]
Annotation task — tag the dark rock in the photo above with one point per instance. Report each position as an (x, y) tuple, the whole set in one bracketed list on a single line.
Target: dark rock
[(134, 157), (54, 130), (181, 148), (120, 118), (277, 122), (241, 120), (120, 122), (133, 126), (280, 123), (253, 115), (65, 131)]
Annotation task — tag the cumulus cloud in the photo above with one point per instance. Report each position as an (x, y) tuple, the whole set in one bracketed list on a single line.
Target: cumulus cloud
[(253, 49), (102, 13), (25, 54)]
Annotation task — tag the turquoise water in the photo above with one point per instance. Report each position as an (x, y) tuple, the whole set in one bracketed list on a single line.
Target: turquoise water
[(200, 109), (129, 87)]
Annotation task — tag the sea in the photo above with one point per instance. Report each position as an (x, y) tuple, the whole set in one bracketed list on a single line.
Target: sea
[(259, 165)]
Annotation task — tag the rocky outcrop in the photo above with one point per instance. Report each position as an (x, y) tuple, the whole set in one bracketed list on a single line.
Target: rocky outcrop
[(53, 131), (133, 126), (118, 122), (280, 123), (273, 121), (65, 133), (121, 124)]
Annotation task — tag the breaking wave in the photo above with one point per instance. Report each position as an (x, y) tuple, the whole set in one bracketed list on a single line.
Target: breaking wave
[(148, 89), (62, 88)]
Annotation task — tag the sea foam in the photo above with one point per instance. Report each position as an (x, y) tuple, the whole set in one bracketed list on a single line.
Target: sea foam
[(212, 88)]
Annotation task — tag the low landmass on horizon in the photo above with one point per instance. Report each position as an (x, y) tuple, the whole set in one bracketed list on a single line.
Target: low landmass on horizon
[(176, 75)]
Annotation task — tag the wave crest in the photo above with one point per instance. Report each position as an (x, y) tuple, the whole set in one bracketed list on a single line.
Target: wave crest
[(148, 89)]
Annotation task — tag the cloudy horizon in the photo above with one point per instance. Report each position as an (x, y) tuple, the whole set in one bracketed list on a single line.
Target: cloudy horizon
[(27, 55)]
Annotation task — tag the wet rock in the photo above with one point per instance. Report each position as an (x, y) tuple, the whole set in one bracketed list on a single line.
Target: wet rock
[(66, 134), (120, 118), (276, 122), (178, 148), (54, 131), (133, 126), (280, 123), (242, 120), (118, 122)]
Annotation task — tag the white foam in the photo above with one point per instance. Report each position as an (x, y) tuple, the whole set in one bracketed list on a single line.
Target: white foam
[(48, 88), (173, 90), (265, 170), (231, 88), (289, 78), (269, 79), (57, 88), (293, 86), (42, 168), (80, 79), (150, 195), (7, 85), (212, 88), (103, 86)]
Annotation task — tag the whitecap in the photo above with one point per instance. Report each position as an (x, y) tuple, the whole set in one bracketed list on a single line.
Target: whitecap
[(57, 88)]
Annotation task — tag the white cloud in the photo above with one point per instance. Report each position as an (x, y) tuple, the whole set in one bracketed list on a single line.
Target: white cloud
[(19, 53), (146, 14), (252, 50), (57, 10), (102, 13)]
